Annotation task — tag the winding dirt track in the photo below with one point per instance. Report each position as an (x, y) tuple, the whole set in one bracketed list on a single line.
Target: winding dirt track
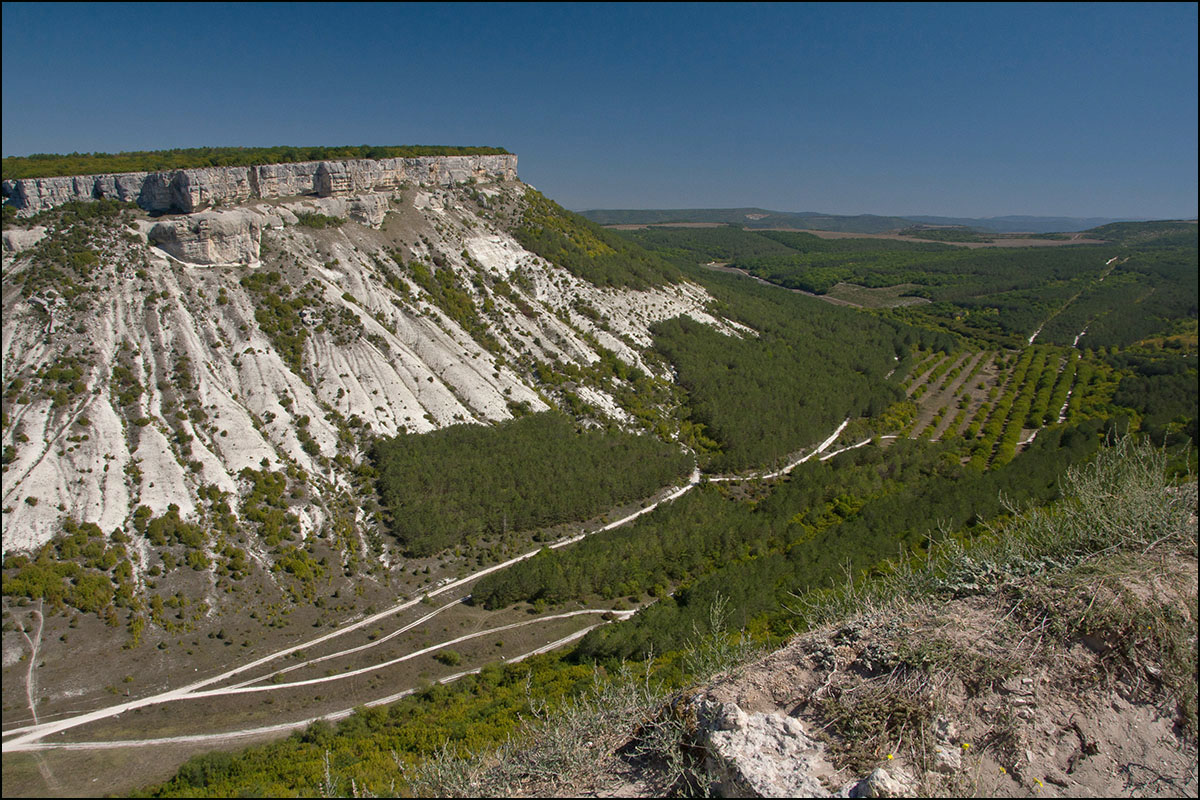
[(31, 737), (1111, 266), (284, 727)]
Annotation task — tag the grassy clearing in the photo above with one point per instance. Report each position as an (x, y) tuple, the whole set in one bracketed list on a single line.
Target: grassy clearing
[(885, 297)]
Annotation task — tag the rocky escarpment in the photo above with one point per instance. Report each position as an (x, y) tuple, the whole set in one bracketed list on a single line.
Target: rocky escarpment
[(189, 190), (143, 379)]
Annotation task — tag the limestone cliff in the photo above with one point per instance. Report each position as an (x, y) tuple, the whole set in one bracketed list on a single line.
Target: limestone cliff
[(162, 358), (188, 190)]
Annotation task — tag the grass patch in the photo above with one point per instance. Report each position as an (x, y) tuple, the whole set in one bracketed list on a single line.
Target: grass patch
[(883, 297)]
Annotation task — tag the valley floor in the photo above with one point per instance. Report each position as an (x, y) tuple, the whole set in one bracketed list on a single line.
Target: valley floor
[(195, 717)]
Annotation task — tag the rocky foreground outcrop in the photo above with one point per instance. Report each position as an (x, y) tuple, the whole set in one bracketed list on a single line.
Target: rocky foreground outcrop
[(772, 755), (761, 755), (961, 698), (188, 190)]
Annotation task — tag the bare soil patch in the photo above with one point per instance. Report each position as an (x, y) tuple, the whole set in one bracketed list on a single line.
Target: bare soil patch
[(883, 297)]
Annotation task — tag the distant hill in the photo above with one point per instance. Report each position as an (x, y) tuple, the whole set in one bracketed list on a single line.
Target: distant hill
[(1022, 224), (1159, 233), (749, 218), (862, 223)]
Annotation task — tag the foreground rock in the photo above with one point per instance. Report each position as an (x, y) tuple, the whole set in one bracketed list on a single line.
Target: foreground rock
[(761, 755)]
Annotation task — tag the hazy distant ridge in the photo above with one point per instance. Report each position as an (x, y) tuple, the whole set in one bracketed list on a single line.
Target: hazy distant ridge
[(1016, 223), (862, 223)]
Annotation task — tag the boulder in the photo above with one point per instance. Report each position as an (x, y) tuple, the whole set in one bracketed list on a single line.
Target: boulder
[(761, 755), (947, 759), (882, 783), (16, 239), (211, 237)]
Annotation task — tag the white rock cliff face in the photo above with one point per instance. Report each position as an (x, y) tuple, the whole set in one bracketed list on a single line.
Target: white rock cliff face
[(209, 237), (188, 190), (172, 307)]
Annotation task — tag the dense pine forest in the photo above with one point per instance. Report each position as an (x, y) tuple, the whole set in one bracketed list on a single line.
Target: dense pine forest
[(856, 510), (846, 516), (451, 486), (811, 365)]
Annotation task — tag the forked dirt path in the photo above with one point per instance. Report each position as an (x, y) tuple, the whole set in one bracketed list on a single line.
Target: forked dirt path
[(34, 644), (31, 737), (284, 727)]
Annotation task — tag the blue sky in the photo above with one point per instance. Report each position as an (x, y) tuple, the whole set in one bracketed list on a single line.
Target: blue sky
[(973, 110)]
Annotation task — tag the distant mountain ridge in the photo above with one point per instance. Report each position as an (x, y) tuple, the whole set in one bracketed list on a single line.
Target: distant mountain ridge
[(1016, 223), (750, 218), (861, 223)]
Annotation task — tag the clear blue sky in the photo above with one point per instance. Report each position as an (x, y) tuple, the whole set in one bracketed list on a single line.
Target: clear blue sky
[(1080, 110)]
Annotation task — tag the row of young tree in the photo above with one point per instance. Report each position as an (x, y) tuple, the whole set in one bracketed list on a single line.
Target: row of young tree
[(445, 487)]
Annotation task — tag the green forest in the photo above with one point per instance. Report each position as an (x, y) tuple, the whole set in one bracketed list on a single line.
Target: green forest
[(585, 249), (449, 486), (764, 397), (51, 165), (856, 509), (1139, 283), (841, 517)]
